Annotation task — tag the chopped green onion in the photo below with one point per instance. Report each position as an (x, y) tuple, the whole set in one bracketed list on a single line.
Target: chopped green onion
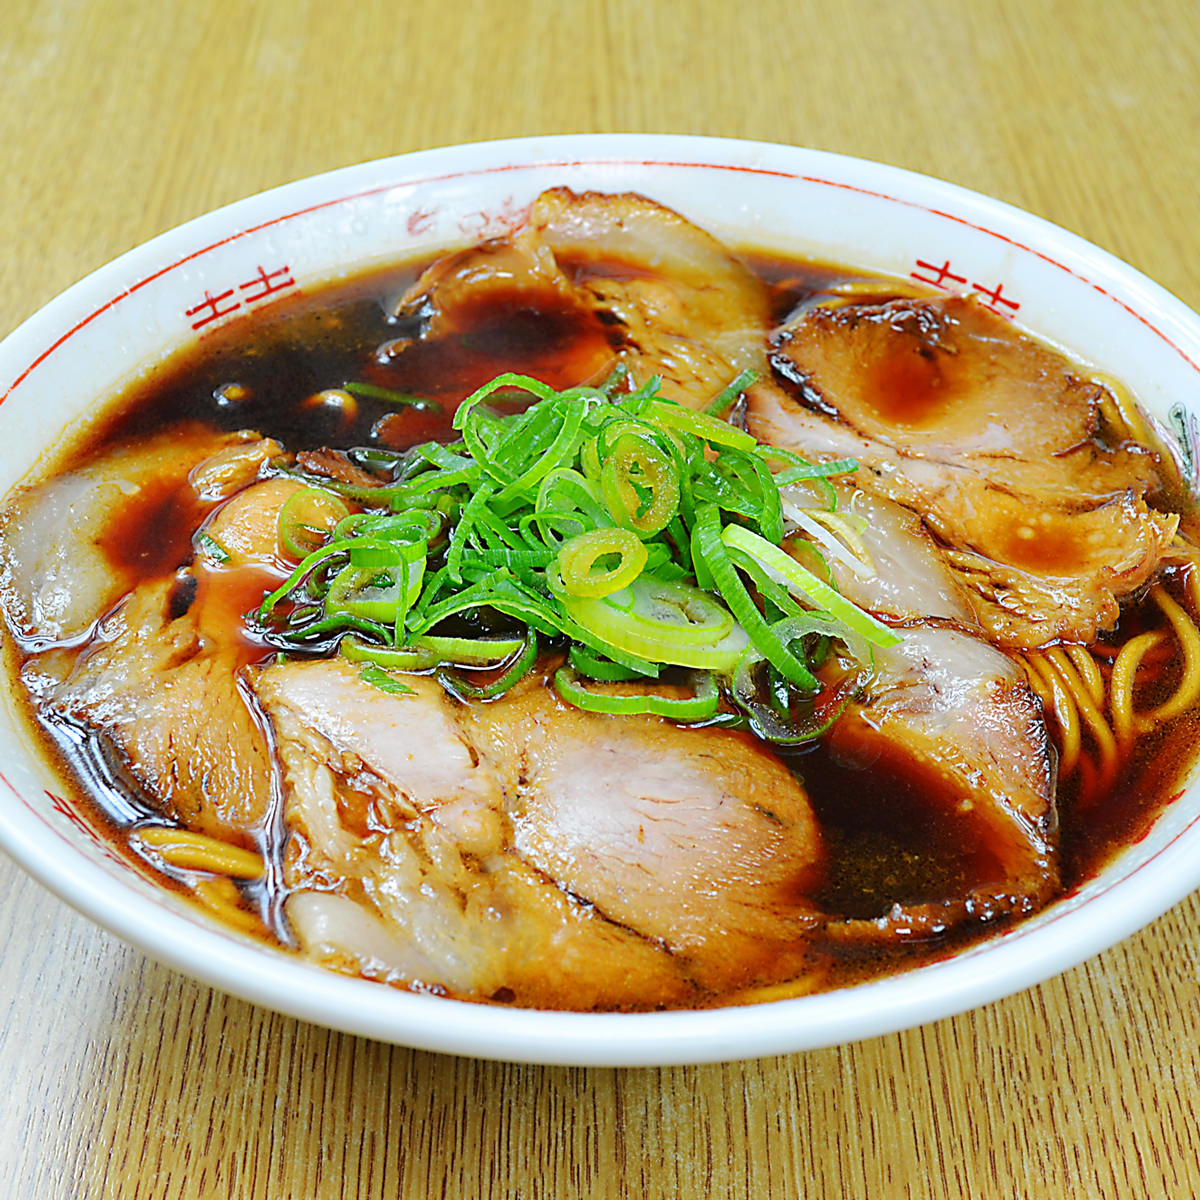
[(425, 652), (727, 395), (673, 624), (799, 579), (578, 557), (463, 530), (596, 667), (622, 528), (211, 548), (784, 728), (711, 547), (306, 518), (477, 652), (697, 707), (521, 665), (374, 392), (640, 484), (709, 429), (377, 677)]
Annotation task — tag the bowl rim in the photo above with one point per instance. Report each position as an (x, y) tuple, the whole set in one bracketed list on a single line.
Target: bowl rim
[(1028, 954)]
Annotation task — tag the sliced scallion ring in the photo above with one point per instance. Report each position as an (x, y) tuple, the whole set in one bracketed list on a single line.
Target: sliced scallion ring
[(595, 667), (521, 665), (578, 558), (809, 718), (640, 485), (704, 703), (425, 652), (307, 518), (667, 640)]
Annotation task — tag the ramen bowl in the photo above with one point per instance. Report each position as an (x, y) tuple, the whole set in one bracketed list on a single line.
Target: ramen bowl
[(115, 326)]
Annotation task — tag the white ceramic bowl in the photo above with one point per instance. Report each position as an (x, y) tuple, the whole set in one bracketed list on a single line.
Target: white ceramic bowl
[(128, 315)]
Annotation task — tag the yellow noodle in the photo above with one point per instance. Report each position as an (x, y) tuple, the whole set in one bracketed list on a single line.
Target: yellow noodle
[(1039, 686), (1090, 713), (1126, 722), (1089, 672), (1081, 693), (223, 899), (1188, 690), (1066, 712), (1072, 686), (192, 851)]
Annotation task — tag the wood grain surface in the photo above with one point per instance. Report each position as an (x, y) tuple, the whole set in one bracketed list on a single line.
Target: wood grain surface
[(120, 1078)]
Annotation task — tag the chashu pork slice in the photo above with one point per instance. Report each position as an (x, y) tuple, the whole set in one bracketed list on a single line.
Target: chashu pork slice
[(988, 435), (951, 728), (159, 684), (399, 857), (698, 838), (610, 277), (169, 703), (947, 728), (688, 310), (63, 543), (904, 577), (527, 851)]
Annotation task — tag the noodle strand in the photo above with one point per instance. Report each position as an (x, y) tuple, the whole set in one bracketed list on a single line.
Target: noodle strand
[(223, 899), (1065, 711), (191, 851), (1091, 716), (1186, 633), (1071, 683), (1089, 672), (1126, 722)]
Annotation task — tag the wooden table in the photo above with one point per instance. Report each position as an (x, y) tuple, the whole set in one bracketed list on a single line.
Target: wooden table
[(119, 1078)]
